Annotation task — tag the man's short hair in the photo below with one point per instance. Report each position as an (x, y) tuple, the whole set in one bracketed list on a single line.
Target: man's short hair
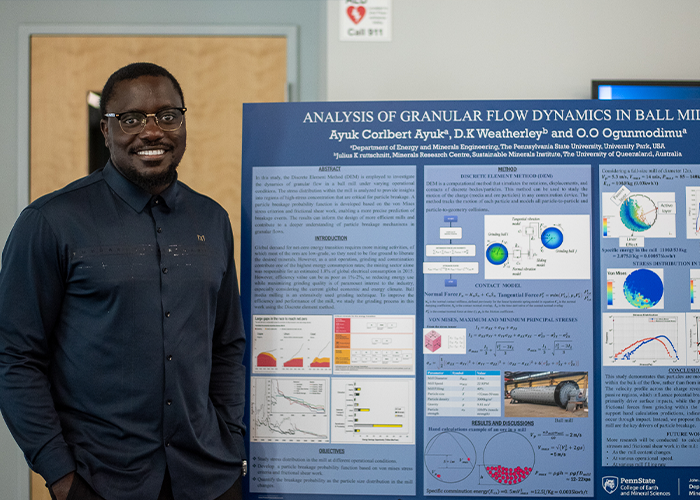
[(132, 72)]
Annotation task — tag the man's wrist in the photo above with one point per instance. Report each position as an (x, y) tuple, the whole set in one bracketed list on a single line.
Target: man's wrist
[(61, 487)]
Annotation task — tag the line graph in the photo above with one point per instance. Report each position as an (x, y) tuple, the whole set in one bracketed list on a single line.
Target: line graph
[(291, 410), (644, 339), (665, 342)]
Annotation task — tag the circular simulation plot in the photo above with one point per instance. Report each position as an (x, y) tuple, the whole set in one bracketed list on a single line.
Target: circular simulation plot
[(552, 238), (450, 457), (497, 254), (643, 288), (509, 458), (638, 212)]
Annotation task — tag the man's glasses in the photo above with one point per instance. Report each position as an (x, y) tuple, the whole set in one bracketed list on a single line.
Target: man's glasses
[(134, 122)]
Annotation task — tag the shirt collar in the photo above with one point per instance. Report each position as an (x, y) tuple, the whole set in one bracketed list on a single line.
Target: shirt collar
[(133, 195), (170, 194)]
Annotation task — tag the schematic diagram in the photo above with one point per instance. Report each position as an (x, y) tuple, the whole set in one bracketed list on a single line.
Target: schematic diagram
[(449, 250), (450, 457), (367, 344), (537, 247)]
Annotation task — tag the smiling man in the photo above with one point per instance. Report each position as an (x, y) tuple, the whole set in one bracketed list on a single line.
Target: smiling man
[(145, 152), (121, 336)]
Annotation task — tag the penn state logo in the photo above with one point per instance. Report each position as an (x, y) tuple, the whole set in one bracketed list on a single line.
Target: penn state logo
[(610, 484)]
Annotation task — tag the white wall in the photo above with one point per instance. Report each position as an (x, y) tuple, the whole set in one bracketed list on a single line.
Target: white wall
[(514, 49)]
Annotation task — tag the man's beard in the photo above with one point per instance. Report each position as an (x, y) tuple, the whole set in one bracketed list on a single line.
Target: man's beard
[(151, 183)]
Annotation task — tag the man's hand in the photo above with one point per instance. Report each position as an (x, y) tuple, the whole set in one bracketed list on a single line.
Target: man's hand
[(61, 487)]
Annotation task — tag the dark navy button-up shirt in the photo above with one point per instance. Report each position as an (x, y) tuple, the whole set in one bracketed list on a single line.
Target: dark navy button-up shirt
[(121, 339)]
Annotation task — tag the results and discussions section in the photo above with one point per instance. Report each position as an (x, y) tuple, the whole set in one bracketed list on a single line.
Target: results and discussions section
[(650, 345)]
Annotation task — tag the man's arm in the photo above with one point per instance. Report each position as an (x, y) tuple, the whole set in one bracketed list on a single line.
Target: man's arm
[(31, 293), (227, 384), (61, 488)]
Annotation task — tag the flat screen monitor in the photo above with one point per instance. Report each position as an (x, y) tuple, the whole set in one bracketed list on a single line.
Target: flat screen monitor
[(640, 89)]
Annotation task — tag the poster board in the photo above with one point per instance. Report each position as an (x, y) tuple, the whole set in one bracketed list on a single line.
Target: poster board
[(488, 298)]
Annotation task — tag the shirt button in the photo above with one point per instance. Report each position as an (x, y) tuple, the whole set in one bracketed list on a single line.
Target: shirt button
[(165, 270), (157, 201), (160, 229), (167, 314), (167, 444), (170, 357), (169, 402)]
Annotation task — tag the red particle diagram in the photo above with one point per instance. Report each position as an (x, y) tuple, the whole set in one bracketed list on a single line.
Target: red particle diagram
[(508, 458), (508, 475)]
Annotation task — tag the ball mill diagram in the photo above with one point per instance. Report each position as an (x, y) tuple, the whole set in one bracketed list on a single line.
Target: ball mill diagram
[(537, 246)]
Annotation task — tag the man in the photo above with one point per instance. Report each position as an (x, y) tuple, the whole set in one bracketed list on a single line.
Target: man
[(121, 336)]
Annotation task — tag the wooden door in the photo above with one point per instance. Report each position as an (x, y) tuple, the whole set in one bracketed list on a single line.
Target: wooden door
[(217, 74)]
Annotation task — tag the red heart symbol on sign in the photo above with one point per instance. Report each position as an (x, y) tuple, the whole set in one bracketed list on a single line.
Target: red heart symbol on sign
[(356, 13)]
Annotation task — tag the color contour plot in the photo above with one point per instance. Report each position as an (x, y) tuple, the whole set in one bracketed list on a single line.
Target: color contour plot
[(635, 288), (373, 410), (292, 344), (285, 409), (643, 288), (638, 212), (644, 339), (644, 214), (552, 238), (497, 254)]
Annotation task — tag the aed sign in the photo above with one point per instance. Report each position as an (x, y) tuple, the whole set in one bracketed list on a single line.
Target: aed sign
[(365, 20)]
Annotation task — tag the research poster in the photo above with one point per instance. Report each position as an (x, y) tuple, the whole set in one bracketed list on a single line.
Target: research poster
[(472, 299)]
